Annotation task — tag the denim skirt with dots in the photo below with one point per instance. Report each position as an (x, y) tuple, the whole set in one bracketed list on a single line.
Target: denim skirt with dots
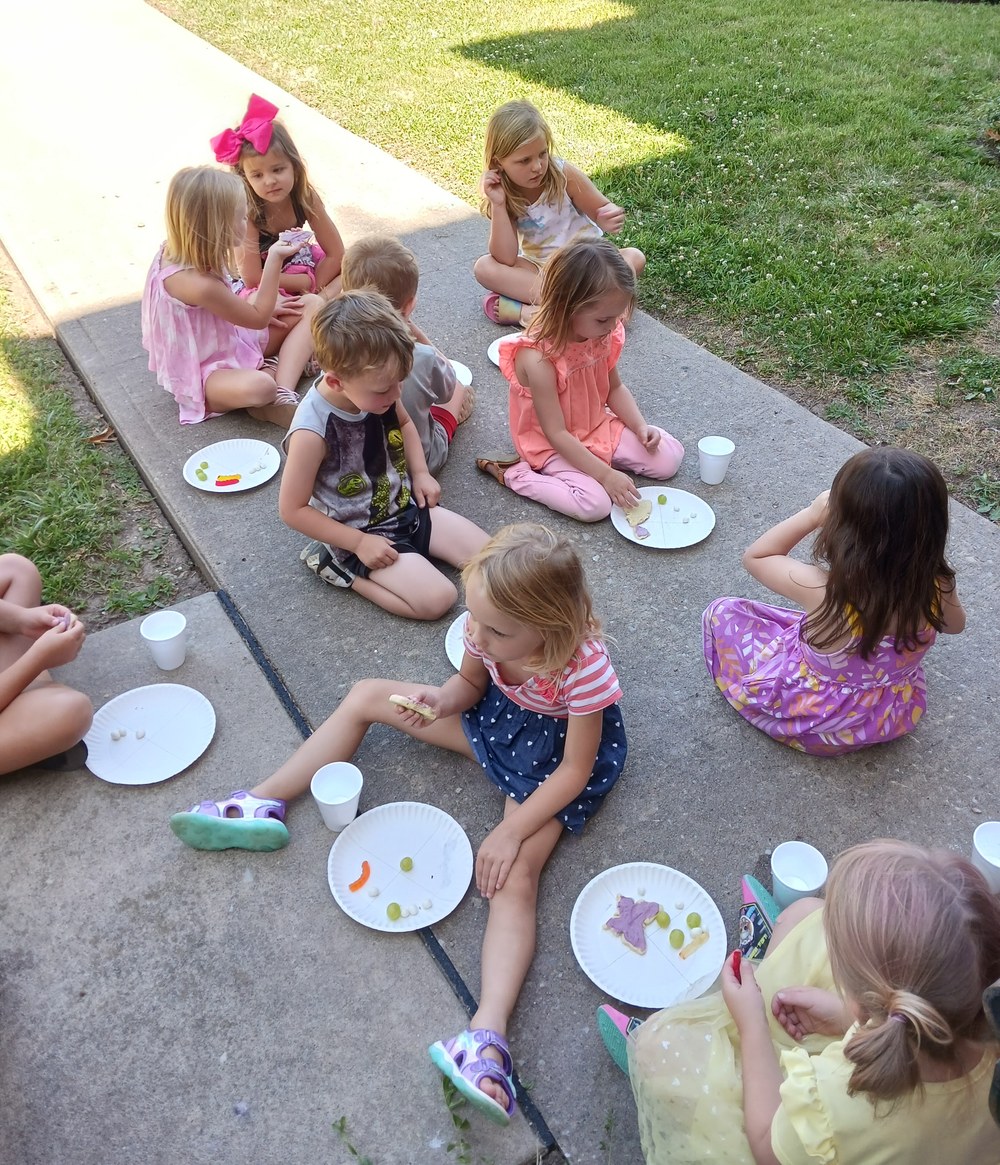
[(518, 749)]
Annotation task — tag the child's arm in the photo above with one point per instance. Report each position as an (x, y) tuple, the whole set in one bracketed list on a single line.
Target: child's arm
[(197, 289), (587, 198), (456, 695), (500, 847), (54, 647), (327, 235), (622, 403), (503, 230), (761, 1070), (539, 377), (426, 489), (769, 562), (248, 257), (305, 455), (952, 612)]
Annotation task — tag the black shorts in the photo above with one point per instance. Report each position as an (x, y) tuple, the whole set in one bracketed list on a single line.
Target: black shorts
[(409, 532)]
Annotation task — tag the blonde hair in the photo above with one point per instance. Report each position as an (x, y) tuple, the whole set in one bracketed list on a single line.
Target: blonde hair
[(302, 194), (507, 130), (575, 277), (202, 204), (914, 939), (382, 262), (359, 331), (536, 578)]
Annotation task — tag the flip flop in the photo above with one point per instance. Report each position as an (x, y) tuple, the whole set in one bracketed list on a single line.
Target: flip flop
[(468, 403), (615, 1027), (501, 309), (460, 1060), (260, 827)]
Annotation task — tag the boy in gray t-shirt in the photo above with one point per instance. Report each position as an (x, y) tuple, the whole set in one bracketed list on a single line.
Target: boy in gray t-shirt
[(356, 480), (436, 402)]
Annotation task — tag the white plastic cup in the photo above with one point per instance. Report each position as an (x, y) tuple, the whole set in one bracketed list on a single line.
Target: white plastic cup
[(336, 789), (165, 633), (713, 459), (986, 852), (798, 870)]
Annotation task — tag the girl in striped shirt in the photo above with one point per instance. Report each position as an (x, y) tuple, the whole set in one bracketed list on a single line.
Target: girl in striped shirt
[(536, 706)]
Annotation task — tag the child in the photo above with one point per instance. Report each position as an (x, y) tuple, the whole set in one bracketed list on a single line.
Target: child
[(280, 198), (848, 671), (576, 427), (356, 479), (536, 203), (206, 344), (40, 720), (882, 1057), (434, 400), (534, 661)]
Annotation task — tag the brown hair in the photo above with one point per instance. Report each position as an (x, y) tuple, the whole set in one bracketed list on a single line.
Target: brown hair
[(358, 331), (302, 194), (202, 204), (382, 262), (576, 276), (883, 542), (507, 130), (914, 939), (536, 578)]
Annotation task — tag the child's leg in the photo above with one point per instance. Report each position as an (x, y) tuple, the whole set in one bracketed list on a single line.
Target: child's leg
[(340, 735), (21, 584), (297, 346), (411, 587), (244, 388), (560, 487), (522, 281), (454, 539), (509, 942), (661, 463), (634, 258)]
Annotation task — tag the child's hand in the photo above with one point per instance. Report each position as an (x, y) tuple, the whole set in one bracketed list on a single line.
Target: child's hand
[(60, 644), (742, 995), (282, 251), (375, 551), (429, 696), (621, 489), (495, 858), (802, 1011), (35, 621), (649, 435), (287, 311), (426, 489), (610, 218), (492, 187)]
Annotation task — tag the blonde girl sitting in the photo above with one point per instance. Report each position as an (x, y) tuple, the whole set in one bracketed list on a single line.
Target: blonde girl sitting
[(536, 203)]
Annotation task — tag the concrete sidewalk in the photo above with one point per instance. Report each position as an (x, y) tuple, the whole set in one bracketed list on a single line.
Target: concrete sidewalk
[(81, 215)]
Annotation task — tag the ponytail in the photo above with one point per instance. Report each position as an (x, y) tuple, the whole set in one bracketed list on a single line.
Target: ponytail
[(884, 1051)]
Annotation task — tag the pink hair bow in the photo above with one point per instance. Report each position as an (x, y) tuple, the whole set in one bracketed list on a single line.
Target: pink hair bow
[(255, 128)]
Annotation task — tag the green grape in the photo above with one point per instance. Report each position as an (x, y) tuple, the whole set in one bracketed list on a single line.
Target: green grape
[(406, 864), (677, 939), (393, 912), (663, 919), (204, 465), (201, 475), (662, 499), (693, 920)]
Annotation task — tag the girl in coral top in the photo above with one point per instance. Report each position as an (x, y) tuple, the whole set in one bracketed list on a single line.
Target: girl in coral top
[(576, 428)]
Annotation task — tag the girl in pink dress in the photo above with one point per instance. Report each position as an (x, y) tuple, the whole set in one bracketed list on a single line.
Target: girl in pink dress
[(576, 427), (847, 671), (206, 344)]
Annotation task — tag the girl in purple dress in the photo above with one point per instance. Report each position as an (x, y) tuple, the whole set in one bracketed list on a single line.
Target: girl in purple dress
[(847, 671)]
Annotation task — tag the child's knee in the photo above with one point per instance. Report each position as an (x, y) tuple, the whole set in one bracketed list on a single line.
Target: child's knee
[(592, 507), (435, 600), (635, 259), (260, 390), (482, 268), (15, 568), (71, 715), (311, 303)]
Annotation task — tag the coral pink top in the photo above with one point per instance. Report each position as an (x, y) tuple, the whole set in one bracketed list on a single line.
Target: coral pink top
[(582, 384)]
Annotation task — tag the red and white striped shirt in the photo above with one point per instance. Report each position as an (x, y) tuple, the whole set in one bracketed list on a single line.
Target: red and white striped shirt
[(586, 684)]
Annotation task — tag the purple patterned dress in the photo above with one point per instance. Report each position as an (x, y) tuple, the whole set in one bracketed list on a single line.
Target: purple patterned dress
[(822, 704)]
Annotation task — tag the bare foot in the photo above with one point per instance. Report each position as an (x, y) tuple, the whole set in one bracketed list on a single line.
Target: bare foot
[(460, 405), (280, 415), (490, 1087)]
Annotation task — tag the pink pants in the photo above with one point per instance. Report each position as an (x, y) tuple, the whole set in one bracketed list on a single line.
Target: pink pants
[(568, 491)]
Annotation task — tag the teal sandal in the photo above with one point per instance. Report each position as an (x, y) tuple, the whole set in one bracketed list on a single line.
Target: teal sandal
[(256, 824), (461, 1060)]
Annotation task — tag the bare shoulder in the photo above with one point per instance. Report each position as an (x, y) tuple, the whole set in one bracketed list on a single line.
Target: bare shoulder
[(533, 368), (191, 287)]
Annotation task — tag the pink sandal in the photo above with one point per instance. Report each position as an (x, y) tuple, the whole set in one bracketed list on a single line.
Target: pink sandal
[(501, 309)]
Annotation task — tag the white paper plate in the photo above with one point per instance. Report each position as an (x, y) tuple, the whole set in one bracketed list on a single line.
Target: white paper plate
[(493, 351), (681, 519), (659, 977), (442, 865), (462, 372), (177, 723), (255, 461), (453, 643)]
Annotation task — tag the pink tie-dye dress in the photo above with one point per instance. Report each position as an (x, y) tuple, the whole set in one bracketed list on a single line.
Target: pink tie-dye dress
[(822, 704)]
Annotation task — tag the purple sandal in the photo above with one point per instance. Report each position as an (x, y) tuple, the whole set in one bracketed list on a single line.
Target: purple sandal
[(258, 824), (461, 1060)]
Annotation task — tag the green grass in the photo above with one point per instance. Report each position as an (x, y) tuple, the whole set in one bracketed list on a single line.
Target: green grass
[(63, 499), (807, 170)]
